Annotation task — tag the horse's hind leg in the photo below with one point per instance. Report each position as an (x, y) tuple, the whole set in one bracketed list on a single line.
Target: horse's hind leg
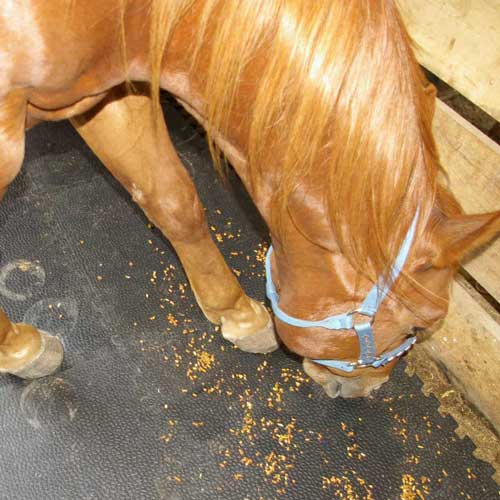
[(24, 350), (138, 151)]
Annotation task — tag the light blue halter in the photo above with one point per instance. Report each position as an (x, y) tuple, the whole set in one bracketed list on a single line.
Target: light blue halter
[(345, 321)]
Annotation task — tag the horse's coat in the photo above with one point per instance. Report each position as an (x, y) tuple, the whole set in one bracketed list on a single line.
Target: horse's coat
[(320, 107)]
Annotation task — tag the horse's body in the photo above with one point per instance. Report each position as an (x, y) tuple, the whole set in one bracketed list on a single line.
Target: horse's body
[(72, 61)]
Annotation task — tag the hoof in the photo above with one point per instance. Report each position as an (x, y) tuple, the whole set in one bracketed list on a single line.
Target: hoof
[(251, 336), (262, 341), (46, 362)]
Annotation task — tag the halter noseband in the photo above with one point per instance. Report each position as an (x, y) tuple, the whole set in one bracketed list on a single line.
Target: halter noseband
[(345, 321)]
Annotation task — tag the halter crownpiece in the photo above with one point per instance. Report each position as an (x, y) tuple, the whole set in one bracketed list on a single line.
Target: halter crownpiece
[(368, 308)]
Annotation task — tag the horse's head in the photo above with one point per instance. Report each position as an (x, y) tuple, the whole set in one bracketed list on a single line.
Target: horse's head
[(354, 350), (329, 120)]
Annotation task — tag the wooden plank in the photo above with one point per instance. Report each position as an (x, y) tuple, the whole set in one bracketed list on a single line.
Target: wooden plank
[(472, 162), (459, 41), (468, 346), (470, 422)]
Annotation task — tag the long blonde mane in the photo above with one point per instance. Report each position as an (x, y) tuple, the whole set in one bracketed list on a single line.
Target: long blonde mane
[(337, 96)]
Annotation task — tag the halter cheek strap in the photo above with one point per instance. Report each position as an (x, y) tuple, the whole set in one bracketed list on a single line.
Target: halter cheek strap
[(345, 321)]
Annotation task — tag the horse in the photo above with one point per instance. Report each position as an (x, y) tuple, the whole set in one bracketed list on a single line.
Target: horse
[(325, 115)]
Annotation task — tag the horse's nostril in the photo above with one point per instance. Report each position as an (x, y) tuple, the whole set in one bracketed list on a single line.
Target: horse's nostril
[(332, 389), (417, 329)]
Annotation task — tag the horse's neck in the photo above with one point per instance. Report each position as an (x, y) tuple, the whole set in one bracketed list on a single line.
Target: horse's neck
[(188, 91)]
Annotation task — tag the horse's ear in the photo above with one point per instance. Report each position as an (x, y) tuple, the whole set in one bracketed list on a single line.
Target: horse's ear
[(462, 234)]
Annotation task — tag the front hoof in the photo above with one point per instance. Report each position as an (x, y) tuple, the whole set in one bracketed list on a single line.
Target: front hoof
[(261, 342), (46, 362), (256, 336)]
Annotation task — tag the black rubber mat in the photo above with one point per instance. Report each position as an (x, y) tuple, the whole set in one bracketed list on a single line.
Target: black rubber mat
[(152, 403)]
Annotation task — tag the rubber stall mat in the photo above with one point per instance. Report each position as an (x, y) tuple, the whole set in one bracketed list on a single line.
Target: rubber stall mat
[(151, 402)]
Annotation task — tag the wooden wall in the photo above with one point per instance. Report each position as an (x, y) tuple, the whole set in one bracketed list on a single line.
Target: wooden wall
[(459, 41)]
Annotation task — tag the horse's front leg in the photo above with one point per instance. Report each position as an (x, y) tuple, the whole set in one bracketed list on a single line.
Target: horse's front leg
[(24, 350), (135, 146)]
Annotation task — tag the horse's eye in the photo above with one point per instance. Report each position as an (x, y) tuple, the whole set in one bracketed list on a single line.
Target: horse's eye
[(423, 266)]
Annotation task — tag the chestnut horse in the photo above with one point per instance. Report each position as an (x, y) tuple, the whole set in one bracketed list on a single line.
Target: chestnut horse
[(321, 108)]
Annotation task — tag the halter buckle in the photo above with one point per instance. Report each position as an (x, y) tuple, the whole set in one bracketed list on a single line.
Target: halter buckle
[(359, 311), (359, 364)]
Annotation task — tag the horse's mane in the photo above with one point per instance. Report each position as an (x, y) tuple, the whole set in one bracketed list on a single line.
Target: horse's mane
[(339, 96)]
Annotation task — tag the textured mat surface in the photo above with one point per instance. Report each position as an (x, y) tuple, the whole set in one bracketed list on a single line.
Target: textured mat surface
[(152, 403)]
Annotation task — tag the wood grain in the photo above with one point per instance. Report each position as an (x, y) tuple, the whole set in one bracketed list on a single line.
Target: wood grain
[(468, 346), (459, 41), (472, 162)]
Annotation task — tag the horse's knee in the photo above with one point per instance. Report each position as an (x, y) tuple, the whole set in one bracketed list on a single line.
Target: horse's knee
[(177, 212)]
